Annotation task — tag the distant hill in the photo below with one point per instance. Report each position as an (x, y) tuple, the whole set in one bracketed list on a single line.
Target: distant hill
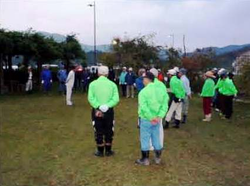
[(87, 48), (225, 56)]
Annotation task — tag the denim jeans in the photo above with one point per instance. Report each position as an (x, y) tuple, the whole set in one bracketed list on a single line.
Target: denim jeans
[(147, 132)]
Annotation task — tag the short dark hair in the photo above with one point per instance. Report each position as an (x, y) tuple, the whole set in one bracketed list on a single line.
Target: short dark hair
[(149, 75)]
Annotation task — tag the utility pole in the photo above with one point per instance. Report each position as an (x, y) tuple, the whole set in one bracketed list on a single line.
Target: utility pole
[(95, 52), (184, 45)]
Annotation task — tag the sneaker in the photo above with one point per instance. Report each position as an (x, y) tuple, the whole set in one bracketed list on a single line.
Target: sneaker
[(157, 161), (144, 162)]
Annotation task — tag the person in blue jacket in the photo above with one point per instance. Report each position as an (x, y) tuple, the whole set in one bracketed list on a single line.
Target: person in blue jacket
[(62, 76), (130, 81), (46, 79), (139, 81)]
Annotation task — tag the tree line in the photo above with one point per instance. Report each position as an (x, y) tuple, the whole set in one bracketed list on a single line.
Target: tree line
[(37, 48)]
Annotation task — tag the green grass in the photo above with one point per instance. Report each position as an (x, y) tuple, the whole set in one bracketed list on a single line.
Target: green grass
[(43, 142)]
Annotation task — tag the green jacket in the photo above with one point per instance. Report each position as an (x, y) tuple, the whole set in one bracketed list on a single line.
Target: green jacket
[(177, 87), (228, 88), (103, 92), (219, 84), (153, 102), (208, 89)]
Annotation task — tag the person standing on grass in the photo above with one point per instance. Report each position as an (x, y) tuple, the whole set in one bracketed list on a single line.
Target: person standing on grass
[(46, 79), (218, 87), (228, 91), (178, 93), (151, 110), (70, 81), (188, 94), (62, 76), (208, 91), (29, 76), (122, 81), (103, 96), (139, 81), (162, 90), (130, 81)]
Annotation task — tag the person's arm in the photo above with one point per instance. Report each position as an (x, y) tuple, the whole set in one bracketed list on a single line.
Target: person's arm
[(144, 106), (91, 97), (115, 98), (164, 106), (233, 87), (69, 77)]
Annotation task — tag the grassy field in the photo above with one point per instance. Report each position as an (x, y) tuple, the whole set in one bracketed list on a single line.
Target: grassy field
[(43, 142)]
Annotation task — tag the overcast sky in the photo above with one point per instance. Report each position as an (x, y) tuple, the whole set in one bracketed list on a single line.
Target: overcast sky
[(204, 22)]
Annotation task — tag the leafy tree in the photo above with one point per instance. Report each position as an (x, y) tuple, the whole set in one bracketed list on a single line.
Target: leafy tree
[(72, 50)]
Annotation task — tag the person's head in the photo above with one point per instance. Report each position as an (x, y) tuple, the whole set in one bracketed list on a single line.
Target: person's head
[(103, 71), (124, 69), (46, 67), (29, 68), (154, 71), (222, 73), (148, 77), (141, 71), (159, 70), (209, 74), (181, 72), (72, 67), (130, 69), (215, 71), (61, 66), (231, 75), (171, 73)]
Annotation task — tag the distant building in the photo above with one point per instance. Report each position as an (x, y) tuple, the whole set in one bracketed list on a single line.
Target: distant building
[(240, 61)]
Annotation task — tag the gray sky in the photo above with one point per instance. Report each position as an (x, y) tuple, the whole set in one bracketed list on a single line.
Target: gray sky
[(204, 22)]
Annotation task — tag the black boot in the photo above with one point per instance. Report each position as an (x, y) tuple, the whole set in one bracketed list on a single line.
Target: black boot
[(108, 150), (166, 126), (99, 152), (144, 160), (157, 157), (177, 124), (184, 120)]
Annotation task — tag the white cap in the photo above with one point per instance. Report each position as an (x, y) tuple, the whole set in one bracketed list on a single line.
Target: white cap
[(176, 69), (154, 71), (103, 70), (172, 72), (221, 71), (125, 68), (130, 69)]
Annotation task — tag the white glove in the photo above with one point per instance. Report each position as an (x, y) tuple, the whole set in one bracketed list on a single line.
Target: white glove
[(125, 83), (104, 108), (134, 85), (42, 82), (50, 81)]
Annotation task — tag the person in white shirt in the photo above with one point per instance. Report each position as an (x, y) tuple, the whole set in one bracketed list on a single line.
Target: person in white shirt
[(29, 86), (185, 104), (69, 85)]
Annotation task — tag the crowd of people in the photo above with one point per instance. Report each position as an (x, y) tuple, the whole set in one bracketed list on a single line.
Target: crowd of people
[(161, 100)]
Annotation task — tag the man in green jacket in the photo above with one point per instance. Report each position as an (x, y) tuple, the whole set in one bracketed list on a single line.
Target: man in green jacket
[(103, 96), (151, 110), (178, 91), (162, 90), (228, 91)]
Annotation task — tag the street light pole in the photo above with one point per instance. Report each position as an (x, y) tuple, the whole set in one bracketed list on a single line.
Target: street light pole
[(172, 35), (95, 53)]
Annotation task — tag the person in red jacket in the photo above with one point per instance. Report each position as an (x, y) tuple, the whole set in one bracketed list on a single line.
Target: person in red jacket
[(160, 75)]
